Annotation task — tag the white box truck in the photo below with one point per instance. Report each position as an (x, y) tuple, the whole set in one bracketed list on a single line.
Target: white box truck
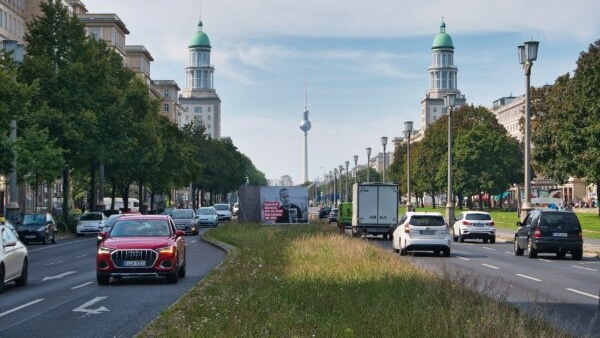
[(374, 209)]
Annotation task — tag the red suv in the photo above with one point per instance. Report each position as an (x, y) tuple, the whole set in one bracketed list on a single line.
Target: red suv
[(141, 246)]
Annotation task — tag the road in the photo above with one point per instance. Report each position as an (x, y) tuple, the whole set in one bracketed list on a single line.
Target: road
[(62, 298), (565, 291)]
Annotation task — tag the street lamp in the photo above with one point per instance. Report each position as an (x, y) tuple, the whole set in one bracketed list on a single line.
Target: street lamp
[(355, 168), (368, 163), (16, 51), (347, 163), (449, 102), (334, 186), (383, 143), (527, 54), (408, 127), (341, 193)]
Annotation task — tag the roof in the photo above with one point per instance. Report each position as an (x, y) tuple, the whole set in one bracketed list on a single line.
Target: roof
[(200, 39), (442, 40)]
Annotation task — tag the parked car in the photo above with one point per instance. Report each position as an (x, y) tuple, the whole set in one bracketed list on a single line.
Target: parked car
[(324, 212), (141, 246), (421, 231), (235, 209), (223, 211), (90, 222), (474, 225), (208, 216), (333, 215), (37, 227), (14, 261), (549, 231), (185, 219)]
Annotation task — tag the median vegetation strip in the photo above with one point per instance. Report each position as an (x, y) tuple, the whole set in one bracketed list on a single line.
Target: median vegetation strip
[(310, 281)]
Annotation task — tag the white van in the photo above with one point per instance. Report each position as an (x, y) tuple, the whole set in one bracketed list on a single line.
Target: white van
[(134, 203)]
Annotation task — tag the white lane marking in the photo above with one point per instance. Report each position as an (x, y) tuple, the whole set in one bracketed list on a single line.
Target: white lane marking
[(80, 286), (21, 307), (83, 307), (491, 249), (509, 252), (464, 258), (54, 263), (59, 276), (581, 267), (48, 247), (80, 256), (583, 293), (545, 260), (490, 266), (532, 278)]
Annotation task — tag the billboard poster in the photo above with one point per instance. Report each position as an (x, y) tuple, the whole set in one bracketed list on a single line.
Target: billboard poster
[(284, 205)]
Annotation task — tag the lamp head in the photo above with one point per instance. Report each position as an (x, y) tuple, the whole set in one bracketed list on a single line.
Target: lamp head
[(450, 100), (369, 151), (408, 127), (531, 49), (355, 159), (347, 164), (384, 141)]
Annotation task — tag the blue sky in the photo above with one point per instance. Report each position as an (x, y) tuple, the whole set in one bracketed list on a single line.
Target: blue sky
[(366, 63)]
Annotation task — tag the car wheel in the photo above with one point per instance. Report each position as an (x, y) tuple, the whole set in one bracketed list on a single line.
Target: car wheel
[(485, 240), (54, 237), (102, 279), (461, 238), (517, 249), (181, 272), (531, 252), (454, 237), (577, 254), (403, 252), (1, 278), (45, 239), (22, 280), (446, 252), (492, 239), (561, 254)]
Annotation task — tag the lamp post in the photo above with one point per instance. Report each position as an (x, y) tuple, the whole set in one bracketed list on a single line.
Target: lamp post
[(334, 186), (383, 143), (355, 168), (341, 167), (347, 163), (527, 54), (449, 102), (368, 163), (408, 127), (12, 209)]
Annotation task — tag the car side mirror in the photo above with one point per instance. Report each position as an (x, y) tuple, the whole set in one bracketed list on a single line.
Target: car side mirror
[(519, 224), (179, 233), (101, 236)]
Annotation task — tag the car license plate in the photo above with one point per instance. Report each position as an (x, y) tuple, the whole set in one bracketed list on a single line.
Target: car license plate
[(134, 263), (30, 236), (560, 234), (477, 224), (427, 232)]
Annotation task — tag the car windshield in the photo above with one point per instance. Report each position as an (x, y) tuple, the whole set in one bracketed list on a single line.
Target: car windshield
[(431, 221), (34, 219), (206, 211), (478, 217), (111, 220), (221, 206), (91, 216), (566, 221), (140, 228), (182, 213)]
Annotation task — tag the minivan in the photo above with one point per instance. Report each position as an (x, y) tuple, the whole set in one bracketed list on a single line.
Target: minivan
[(549, 231)]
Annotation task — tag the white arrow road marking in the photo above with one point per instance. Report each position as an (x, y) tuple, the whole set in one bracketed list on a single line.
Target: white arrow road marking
[(83, 308), (20, 307), (59, 276)]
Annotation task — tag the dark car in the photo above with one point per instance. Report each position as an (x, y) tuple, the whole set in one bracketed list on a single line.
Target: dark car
[(141, 246), (186, 220), (37, 227), (549, 231), (324, 212), (333, 215)]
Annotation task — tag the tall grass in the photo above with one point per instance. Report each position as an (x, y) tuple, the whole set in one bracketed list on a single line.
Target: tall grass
[(309, 281)]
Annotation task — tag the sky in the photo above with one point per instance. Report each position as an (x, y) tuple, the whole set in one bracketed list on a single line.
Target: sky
[(365, 62)]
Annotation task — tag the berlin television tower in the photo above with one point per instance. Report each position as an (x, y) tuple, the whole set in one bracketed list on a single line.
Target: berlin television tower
[(305, 127)]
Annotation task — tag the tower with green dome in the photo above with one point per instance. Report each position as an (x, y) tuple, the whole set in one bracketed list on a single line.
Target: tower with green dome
[(199, 96), (442, 79)]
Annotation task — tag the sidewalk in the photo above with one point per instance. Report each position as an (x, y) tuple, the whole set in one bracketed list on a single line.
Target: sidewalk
[(591, 246)]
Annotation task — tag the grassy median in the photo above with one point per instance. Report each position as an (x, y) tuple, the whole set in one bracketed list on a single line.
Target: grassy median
[(309, 281)]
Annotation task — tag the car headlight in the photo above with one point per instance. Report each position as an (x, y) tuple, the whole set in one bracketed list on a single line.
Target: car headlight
[(104, 250), (166, 250), (42, 228)]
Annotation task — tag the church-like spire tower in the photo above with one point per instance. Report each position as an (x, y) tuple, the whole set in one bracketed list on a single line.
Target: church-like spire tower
[(305, 127)]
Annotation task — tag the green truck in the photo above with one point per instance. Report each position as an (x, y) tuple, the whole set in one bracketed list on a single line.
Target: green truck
[(345, 214)]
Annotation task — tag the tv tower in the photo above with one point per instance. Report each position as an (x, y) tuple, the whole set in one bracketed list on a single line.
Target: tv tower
[(305, 127)]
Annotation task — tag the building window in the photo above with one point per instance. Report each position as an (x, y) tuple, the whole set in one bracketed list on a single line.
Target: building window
[(208, 126), (167, 94), (95, 32), (208, 117), (166, 107), (197, 109), (208, 109)]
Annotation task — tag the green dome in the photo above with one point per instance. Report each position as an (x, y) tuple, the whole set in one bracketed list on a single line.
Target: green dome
[(200, 39), (442, 40)]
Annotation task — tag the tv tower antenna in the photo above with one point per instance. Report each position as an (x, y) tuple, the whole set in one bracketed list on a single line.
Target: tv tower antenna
[(305, 127)]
